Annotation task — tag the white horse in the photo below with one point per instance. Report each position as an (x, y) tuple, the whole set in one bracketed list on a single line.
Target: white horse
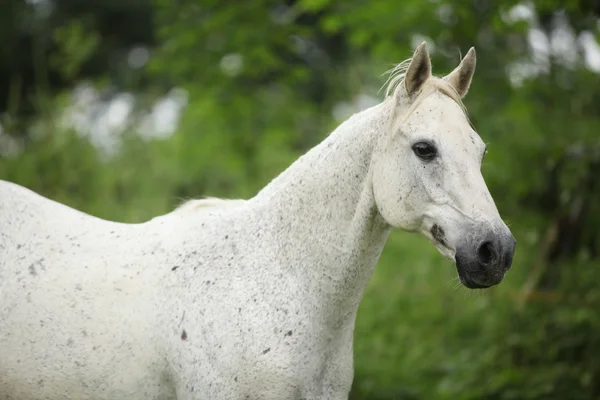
[(246, 299)]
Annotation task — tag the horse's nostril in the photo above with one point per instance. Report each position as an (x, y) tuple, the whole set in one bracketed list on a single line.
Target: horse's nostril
[(486, 253)]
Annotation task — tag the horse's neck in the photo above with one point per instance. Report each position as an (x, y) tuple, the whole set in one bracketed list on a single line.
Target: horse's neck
[(324, 206)]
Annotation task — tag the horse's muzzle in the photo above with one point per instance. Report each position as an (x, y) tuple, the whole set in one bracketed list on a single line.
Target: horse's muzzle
[(481, 264)]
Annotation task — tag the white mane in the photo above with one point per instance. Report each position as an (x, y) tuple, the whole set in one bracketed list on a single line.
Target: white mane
[(196, 204), (396, 79)]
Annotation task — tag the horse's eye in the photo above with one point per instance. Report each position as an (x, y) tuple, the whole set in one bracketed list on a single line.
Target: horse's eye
[(425, 150)]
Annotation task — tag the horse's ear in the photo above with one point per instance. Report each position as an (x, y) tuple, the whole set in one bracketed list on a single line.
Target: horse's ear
[(418, 71), (460, 78)]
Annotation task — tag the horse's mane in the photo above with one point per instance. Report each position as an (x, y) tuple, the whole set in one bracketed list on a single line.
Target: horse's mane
[(396, 79), (396, 76), (197, 204)]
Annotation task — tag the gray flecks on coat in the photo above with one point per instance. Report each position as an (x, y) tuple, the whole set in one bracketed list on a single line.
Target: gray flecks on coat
[(245, 299)]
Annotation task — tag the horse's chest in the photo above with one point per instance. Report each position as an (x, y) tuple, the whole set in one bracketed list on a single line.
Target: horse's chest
[(252, 350), (242, 332), (308, 369), (276, 374)]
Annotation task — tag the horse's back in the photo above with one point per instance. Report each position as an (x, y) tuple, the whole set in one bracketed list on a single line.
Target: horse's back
[(74, 307), (21, 212), (37, 230), (24, 213)]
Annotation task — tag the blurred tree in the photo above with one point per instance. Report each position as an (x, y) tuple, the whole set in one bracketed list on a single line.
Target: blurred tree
[(312, 47), (49, 45)]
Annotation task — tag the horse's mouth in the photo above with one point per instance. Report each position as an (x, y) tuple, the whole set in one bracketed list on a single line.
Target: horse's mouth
[(437, 236), (472, 284), (446, 251), (441, 244), (474, 280)]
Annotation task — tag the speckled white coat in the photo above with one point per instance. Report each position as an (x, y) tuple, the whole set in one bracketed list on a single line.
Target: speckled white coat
[(251, 299)]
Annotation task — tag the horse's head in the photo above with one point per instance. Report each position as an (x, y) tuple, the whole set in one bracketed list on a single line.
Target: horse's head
[(426, 172)]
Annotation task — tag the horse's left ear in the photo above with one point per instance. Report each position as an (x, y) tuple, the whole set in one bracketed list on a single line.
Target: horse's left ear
[(460, 78), (418, 71)]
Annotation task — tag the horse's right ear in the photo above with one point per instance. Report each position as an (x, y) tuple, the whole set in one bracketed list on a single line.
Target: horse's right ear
[(460, 78), (418, 71)]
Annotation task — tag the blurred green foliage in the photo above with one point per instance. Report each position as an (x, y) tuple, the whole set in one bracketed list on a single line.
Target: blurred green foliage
[(263, 80)]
